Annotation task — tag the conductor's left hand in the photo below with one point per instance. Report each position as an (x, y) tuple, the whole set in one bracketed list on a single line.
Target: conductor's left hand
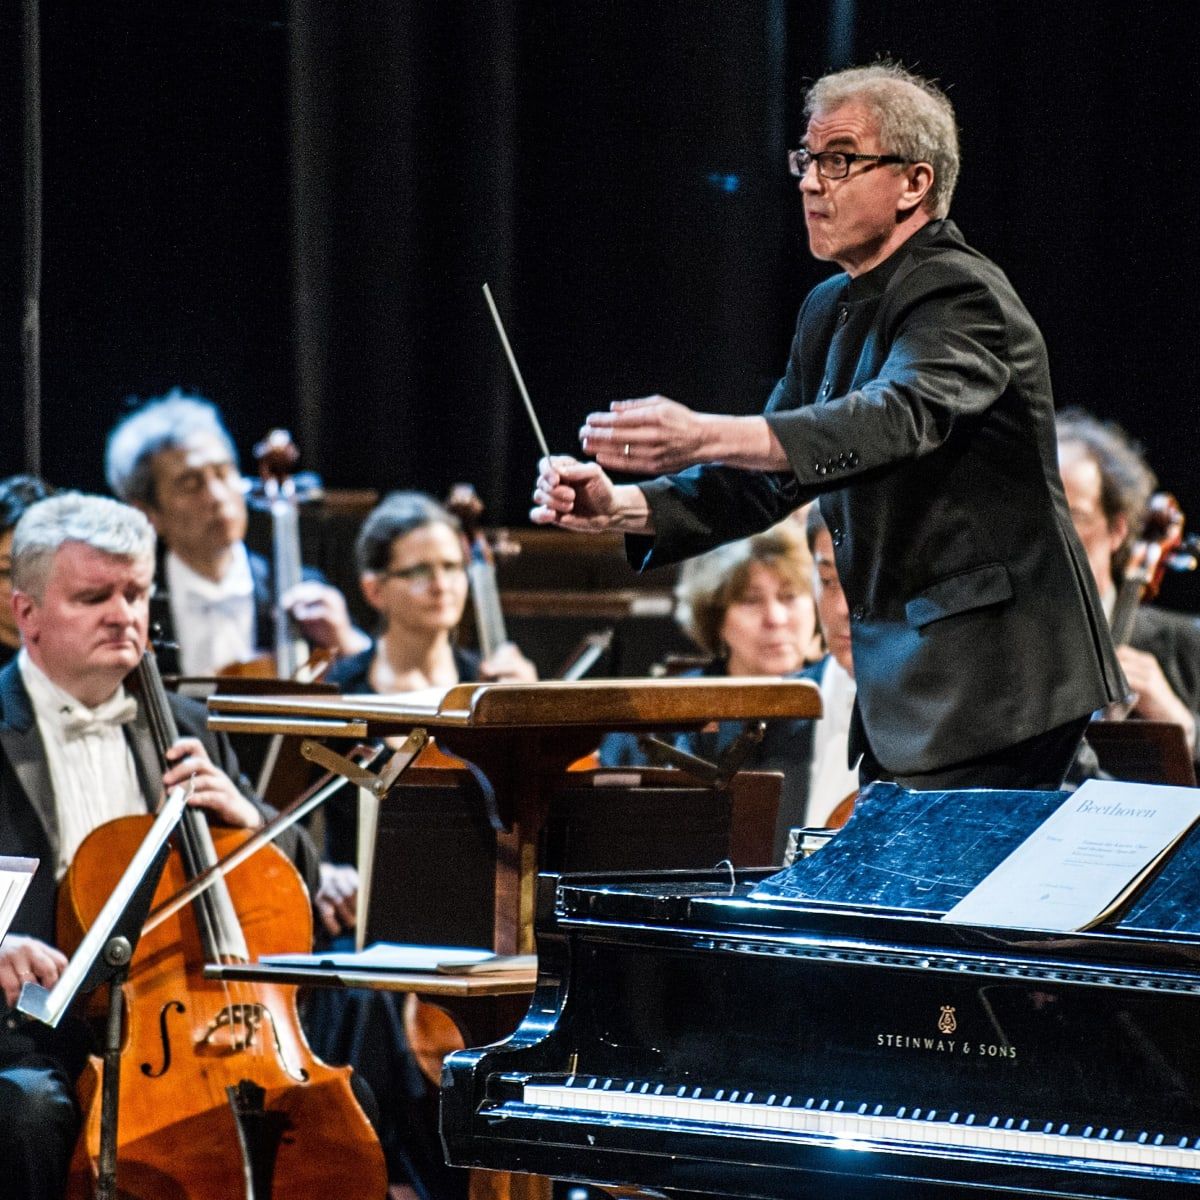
[(650, 436)]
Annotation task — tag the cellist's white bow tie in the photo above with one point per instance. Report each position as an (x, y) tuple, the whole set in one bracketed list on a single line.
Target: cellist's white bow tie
[(116, 711)]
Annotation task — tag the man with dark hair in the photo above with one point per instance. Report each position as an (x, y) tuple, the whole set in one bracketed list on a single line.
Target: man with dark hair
[(17, 493), (1108, 485), (916, 408), (173, 459)]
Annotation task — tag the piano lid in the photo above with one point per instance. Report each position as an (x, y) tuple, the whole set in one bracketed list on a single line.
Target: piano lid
[(922, 852)]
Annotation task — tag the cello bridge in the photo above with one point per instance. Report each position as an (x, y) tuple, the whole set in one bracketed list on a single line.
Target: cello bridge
[(233, 1029)]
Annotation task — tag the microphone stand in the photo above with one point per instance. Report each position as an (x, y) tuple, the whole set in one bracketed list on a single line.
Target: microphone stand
[(104, 956)]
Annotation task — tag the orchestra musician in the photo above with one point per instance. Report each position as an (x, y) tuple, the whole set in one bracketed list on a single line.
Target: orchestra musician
[(17, 493), (916, 407), (1108, 484), (833, 773), (75, 752), (412, 570), (749, 605), (174, 459)]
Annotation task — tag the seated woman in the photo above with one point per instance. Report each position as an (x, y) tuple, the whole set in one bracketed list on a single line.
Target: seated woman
[(412, 571), (750, 606)]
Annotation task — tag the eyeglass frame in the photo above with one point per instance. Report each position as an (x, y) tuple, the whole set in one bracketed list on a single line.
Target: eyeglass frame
[(421, 574), (799, 172)]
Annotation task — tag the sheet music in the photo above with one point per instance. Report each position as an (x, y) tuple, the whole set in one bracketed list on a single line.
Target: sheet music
[(1080, 864), (387, 956), (15, 877)]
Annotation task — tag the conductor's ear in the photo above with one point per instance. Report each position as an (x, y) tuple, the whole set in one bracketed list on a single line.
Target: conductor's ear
[(918, 179)]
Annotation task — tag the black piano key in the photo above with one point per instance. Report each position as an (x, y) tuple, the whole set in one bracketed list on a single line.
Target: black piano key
[(749, 1098), (1087, 1131), (916, 1115), (771, 1098), (787, 1102)]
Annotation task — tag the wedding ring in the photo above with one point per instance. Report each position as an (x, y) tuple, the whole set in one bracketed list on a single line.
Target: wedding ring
[(626, 450)]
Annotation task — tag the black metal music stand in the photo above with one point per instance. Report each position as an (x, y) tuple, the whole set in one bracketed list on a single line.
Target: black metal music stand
[(104, 956)]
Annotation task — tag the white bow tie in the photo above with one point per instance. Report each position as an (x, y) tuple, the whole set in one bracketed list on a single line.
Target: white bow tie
[(112, 714), (207, 606)]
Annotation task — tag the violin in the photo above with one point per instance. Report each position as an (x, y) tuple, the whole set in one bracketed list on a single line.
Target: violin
[(1161, 546), (220, 1094)]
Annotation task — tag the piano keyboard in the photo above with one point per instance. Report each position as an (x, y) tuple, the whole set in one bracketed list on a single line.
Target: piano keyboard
[(852, 1123)]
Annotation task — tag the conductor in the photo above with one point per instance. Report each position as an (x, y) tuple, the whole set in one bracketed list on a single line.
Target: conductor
[(916, 407)]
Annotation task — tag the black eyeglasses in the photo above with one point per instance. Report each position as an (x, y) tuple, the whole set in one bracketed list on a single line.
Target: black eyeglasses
[(420, 575), (836, 164)]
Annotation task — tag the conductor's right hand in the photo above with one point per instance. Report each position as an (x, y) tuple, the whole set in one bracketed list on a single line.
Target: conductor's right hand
[(574, 495)]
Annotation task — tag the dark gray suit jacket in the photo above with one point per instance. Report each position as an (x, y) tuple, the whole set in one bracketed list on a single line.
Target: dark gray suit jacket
[(917, 406)]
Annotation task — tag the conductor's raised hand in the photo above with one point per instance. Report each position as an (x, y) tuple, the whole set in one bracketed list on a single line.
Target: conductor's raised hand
[(648, 436)]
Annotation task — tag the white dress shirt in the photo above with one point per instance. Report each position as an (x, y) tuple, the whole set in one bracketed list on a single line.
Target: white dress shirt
[(214, 622), (831, 779), (91, 765)]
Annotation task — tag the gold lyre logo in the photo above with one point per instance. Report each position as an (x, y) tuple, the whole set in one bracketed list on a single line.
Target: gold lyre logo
[(946, 1022)]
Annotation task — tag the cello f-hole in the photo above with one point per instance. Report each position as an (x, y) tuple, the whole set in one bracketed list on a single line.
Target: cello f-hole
[(147, 1069)]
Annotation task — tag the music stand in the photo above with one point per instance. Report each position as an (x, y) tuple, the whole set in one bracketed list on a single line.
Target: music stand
[(1143, 751), (104, 956)]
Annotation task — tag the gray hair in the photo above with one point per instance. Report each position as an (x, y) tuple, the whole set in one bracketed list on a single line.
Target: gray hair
[(166, 423), (106, 525), (708, 585), (915, 119)]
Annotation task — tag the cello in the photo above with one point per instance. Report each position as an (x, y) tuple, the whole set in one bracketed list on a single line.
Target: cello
[(221, 1096)]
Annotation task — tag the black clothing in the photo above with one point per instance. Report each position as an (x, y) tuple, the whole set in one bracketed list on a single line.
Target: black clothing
[(917, 407), (1174, 640), (352, 675)]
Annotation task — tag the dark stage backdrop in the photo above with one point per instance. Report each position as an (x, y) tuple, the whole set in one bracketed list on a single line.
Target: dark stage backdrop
[(291, 208)]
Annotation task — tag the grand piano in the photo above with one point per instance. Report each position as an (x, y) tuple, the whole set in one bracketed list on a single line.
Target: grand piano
[(822, 1032)]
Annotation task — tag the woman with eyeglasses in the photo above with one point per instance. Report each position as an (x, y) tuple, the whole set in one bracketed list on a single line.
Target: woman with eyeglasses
[(412, 571)]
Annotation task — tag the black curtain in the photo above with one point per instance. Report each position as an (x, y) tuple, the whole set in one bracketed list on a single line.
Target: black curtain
[(291, 207)]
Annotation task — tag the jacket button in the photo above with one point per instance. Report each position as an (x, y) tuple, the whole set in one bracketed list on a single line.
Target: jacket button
[(843, 314), (852, 458), (826, 388), (858, 613), (837, 537)]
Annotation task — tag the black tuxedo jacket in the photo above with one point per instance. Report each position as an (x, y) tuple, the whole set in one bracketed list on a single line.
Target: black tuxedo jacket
[(29, 828), (917, 406)]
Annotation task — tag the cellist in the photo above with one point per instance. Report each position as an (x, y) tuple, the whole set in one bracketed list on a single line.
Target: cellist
[(1108, 485), (75, 752), (174, 459)]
